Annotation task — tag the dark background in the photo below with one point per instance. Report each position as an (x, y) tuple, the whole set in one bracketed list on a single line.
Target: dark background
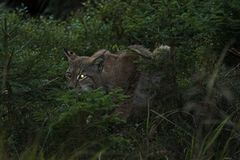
[(55, 7)]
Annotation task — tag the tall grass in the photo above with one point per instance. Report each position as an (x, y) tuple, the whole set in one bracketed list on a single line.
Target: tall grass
[(195, 116)]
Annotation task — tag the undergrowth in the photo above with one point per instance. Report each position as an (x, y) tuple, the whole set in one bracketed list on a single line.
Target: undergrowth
[(195, 114)]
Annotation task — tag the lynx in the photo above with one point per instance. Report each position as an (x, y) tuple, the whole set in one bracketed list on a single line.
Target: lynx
[(108, 71), (102, 69)]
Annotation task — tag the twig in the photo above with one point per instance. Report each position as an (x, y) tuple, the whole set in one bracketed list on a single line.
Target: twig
[(235, 52), (232, 70), (217, 67)]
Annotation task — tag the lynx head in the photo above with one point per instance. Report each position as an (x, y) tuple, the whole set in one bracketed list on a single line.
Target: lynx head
[(83, 71)]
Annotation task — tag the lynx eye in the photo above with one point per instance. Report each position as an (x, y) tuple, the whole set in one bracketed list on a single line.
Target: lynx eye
[(81, 76)]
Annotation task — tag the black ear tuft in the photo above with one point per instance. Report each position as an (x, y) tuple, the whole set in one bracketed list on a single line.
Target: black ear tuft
[(66, 54), (65, 50), (69, 54)]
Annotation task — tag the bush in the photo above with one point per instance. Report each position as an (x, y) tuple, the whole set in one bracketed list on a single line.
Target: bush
[(40, 113)]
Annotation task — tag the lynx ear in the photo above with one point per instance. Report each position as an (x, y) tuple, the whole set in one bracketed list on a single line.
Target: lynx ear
[(98, 63), (69, 54)]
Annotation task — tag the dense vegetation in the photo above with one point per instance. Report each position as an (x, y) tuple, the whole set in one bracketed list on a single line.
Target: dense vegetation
[(197, 114)]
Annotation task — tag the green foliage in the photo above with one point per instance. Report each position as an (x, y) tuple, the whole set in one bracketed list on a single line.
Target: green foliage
[(200, 149), (42, 118)]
